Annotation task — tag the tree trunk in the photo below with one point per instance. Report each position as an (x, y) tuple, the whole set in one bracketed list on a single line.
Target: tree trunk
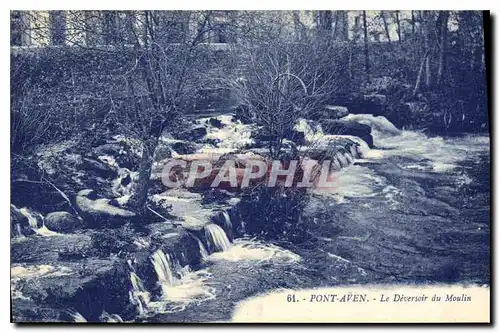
[(427, 22), (386, 26), (412, 23), (420, 74), (325, 21), (398, 26), (345, 26), (341, 31), (365, 37), (443, 20), (140, 197), (298, 26)]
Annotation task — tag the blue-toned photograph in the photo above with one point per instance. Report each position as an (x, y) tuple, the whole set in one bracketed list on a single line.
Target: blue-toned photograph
[(228, 166)]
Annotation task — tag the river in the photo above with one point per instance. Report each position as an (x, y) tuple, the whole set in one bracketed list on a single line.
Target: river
[(414, 210)]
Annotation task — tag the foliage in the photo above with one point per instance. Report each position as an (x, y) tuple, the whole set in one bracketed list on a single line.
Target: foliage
[(286, 81), (274, 212)]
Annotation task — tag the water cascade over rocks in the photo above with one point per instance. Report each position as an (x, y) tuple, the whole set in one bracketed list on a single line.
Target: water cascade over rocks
[(435, 154), (162, 266), (35, 221), (177, 285), (139, 296), (227, 220), (203, 250), (216, 238)]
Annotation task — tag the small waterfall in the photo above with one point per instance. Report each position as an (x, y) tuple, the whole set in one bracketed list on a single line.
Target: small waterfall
[(311, 135), (217, 238), (34, 225), (227, 220), (349, 157), (354, 151), (162, 266), (19, 231), (342, 160), (77, 317), (203, 250), (139, 296), (336, 164), (31, 219), (110, 318), (378, 124)]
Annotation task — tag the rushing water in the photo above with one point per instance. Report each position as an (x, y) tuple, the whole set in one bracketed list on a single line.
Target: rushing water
[(227, 220), (217, 238), (41, 230), (203, 250), (414, 209), (161, 263), (139, 296)]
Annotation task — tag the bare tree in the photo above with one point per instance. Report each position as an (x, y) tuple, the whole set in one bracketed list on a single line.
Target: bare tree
[(287, 82), (383, 16), (367, 56), (428, 26), (443, 22), (398, 26)]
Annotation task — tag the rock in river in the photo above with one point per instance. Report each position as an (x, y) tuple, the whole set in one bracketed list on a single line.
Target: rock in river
[(99, 211), (63, 222), (345, 127)]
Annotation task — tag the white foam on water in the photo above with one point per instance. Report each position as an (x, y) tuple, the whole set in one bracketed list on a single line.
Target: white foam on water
[(217, 238), (203, 250), (109, 318), (162, 265), (311, 135), (139, 296), (254, 250), (22, 274), (33, 222), (191, 287), (353, 182), (179, 287), (77, 316), (436, 154), (34, 271), (234, 135)]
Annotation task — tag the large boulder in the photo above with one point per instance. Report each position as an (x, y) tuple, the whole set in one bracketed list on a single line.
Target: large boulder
[(363, 104), (194, 133), (346, 127), (333, 112), (215, 122), (20, 224), (183, 147), (88, 288), (100, 212), (63, 222), (98, 168)]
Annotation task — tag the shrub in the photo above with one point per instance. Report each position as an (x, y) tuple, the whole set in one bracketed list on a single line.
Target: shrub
[(274, 212)]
